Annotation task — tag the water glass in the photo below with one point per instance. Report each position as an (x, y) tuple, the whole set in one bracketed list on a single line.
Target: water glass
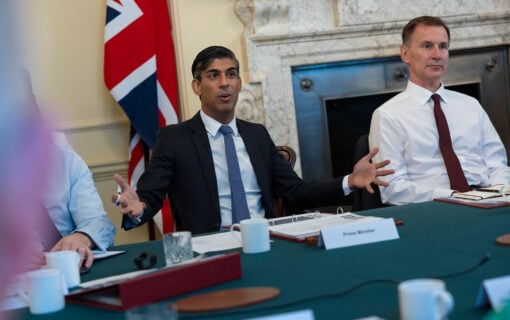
[(153, 311), (177, 247)]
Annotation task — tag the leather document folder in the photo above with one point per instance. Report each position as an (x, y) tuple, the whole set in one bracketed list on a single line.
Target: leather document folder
[(160, 284)]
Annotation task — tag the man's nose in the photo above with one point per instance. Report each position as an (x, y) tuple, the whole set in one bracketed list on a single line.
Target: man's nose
[(436, 52), (224, 80)]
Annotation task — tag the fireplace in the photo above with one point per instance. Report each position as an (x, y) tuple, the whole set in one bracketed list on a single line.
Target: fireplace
[(334, 102), (336, 43)]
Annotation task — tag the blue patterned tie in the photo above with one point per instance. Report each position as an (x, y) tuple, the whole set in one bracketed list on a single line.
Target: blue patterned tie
[(239, 205)]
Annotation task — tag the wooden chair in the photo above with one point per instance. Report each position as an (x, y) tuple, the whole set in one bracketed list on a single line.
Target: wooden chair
[(290, 156)]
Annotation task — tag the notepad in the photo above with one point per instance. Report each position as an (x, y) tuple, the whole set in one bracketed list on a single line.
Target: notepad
[(298, 229), (476, 195), (497, 188)]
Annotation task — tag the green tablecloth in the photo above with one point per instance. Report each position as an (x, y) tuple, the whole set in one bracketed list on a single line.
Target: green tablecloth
[(436, 239)]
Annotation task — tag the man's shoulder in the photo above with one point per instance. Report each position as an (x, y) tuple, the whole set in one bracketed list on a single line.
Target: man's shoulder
[(459, 95), (394, 102), (180, 126), (250, 124)]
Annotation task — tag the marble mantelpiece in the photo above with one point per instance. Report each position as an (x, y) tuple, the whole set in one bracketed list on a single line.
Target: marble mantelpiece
[(280, 34)]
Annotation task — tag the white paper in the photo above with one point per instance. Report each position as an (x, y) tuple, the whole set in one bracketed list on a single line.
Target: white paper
[(476, 195), (98, 254), (359, 233), (215, 242), (115, 278), (305, 228)]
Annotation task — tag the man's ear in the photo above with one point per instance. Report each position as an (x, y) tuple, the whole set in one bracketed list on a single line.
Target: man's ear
[(195, 85), (403, 53)]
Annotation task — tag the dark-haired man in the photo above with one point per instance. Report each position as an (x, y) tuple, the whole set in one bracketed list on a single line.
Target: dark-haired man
[(189, 163), (406, 127)]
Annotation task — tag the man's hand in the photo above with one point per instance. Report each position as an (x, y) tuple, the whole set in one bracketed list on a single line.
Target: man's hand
[(365, 172), (80, 243), (128, 199)]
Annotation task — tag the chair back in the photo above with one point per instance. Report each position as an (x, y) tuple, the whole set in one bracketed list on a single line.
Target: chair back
[(362, 199), (290, 156)]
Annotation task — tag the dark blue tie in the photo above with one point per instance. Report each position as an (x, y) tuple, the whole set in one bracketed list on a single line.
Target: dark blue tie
[(239, 205)]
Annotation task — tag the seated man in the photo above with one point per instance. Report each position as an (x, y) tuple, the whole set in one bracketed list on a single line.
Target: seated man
[(217, 169), (74, 214), (412, 129)]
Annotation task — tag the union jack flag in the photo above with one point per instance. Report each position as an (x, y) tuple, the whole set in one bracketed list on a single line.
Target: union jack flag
[(140, 73)]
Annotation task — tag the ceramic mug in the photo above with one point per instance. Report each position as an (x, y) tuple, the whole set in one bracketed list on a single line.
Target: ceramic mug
[(68, 262), (45, 291), (424, 299), (254, 235)]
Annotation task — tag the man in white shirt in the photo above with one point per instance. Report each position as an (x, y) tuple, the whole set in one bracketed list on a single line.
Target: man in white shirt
[(405, 128)]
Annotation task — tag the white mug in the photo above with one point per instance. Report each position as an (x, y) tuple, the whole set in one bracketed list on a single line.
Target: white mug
[(68, 262), (424, 299), (254, 235), (46, 291)]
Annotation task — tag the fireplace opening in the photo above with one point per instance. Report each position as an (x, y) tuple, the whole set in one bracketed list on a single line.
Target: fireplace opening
[(334, 102)]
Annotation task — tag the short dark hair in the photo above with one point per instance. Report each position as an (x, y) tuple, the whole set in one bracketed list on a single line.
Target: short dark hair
[(206, 56), (409, 28)]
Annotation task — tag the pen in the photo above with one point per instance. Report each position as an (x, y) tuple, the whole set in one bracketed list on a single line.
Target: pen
[(119, 191)]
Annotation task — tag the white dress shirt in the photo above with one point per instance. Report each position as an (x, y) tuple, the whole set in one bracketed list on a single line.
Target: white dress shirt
[(251, 187), (405, 131)]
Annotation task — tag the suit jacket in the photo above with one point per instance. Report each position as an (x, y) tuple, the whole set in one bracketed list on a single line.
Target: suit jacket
[(182, 167)]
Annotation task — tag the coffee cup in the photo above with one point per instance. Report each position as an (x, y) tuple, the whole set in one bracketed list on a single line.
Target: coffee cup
[(424, 299), (45, 291), (254, 235), (68, 262)]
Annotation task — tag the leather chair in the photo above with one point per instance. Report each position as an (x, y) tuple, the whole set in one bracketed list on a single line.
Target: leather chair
[(362, 199), (290, 156)]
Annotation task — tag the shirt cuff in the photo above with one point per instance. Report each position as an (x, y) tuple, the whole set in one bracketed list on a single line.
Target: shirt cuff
[(345, 185)]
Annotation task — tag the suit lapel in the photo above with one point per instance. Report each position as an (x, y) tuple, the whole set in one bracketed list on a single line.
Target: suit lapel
[(251, 143), (203, 151)]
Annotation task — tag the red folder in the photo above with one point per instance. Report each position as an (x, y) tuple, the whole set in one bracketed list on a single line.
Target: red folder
[(160, 284)]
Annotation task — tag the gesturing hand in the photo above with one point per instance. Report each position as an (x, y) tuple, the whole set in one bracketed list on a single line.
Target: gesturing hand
[(365, 172), (128, 198)]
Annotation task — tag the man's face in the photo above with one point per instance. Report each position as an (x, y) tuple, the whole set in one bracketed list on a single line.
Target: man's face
[(427, 55), (219, 89)]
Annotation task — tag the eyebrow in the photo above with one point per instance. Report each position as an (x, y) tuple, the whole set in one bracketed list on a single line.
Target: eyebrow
[(217, 70)]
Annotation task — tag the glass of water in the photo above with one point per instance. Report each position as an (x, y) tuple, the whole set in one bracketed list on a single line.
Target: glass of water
[(177, 247)]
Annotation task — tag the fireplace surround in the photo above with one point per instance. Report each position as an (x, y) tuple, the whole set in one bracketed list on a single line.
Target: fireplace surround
[(286, 38)]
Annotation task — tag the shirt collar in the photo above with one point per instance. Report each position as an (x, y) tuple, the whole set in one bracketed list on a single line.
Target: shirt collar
[(212, 126), (423, 95)]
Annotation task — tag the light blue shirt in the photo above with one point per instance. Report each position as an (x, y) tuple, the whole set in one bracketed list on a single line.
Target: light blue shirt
[(71, 198), (251, 187)]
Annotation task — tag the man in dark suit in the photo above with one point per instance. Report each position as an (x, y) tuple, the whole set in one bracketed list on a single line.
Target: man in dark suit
[(188, 163)]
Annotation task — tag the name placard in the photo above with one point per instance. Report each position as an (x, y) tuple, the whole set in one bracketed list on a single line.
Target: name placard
[(495, 291), (358, 233)]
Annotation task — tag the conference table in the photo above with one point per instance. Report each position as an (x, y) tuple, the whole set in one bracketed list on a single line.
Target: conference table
[(436, 239)]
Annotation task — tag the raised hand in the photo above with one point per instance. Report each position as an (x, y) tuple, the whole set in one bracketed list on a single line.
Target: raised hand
[(365, 172)]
